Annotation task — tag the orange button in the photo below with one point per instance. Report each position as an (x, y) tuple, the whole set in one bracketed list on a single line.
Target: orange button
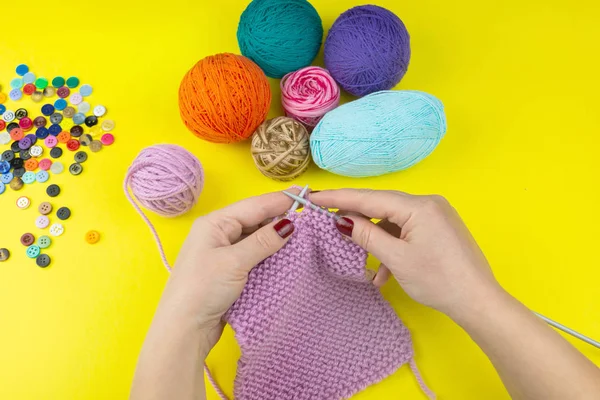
[(92, 237), (16, 134), (2, 98), (31, 164), (63, 137)]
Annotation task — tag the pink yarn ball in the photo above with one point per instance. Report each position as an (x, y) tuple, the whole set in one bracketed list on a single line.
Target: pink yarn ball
[(309, 93)]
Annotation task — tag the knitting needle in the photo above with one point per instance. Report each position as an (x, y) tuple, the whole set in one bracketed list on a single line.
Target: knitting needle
[(302, 193), (548, 320)]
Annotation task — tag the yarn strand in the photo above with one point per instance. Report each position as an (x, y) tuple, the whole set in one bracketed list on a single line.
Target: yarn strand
[(413, 367)]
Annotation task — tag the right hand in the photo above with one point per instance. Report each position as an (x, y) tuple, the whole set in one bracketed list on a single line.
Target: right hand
[(432, 254)]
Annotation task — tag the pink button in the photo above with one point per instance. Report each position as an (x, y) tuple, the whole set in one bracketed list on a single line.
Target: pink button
[(76, 98), (42, 221), (107, 139), (26, 123), (45, 164), (51, 141)]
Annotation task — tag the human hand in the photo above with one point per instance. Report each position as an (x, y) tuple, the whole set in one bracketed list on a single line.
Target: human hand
[(219, 252), (430, 251)]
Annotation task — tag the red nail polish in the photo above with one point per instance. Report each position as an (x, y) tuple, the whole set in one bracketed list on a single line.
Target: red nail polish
[(284, 228), (345, 225)]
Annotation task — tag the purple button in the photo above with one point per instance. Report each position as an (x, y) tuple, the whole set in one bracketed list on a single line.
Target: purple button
[(51, 141), (32, 138), (25, 143)]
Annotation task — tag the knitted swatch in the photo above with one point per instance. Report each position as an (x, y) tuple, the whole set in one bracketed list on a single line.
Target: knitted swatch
[(309, 323)]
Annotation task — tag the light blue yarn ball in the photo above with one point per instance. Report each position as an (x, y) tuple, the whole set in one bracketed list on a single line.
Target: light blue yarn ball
[(280, 36), (383, 132)]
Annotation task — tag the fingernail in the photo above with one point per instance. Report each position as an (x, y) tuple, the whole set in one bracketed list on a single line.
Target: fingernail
[(284, 228), (314, 191), (345, 225)]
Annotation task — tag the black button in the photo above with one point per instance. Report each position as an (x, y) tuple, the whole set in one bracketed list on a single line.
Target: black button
[(54, 129), (63, 213), (15, 146), (4, 254), (75, 169), (8, 155), (91, 120), (56, 118), (53, 190), (21, 113), (18, 172), (85, 139), (80, 156), (39, 122), (11, 126), (25, 155), (76, 131), (56, 152), (16, 162), (43, 260)]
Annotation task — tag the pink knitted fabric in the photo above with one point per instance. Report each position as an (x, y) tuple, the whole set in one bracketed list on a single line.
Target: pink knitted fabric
[(309, 323)]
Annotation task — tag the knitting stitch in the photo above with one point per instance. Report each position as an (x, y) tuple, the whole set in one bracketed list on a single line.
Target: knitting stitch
[(309, 323)]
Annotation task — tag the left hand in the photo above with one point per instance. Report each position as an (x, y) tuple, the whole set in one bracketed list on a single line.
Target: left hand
[(219, 252)]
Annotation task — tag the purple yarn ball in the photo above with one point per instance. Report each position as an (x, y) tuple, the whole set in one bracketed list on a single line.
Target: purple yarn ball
[(367, 50)]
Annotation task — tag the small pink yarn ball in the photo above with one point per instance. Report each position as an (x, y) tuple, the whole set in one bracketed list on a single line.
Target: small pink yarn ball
[(308, 94)]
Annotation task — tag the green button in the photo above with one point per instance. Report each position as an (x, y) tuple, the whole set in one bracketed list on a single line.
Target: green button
[(41, 83), (44, 242), (33, 251), (73, 82), (59, 81)]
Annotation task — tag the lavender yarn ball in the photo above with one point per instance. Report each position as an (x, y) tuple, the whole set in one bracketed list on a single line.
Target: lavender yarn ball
[(367, 50)]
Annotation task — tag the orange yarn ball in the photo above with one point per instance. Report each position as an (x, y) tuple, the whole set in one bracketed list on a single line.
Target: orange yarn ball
[(224, 98)]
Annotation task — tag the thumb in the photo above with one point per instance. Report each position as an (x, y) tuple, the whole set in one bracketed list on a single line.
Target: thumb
[(263, 243)]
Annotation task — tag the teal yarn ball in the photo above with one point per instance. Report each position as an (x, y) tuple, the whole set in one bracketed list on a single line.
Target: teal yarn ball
[(280, 36), (383, 132)]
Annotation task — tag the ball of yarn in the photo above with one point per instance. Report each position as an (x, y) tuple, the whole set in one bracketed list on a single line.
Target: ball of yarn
[(166, 179), (223, 98), (383, 132), (367, 50), (281, 36), (280, 148), (308, 94)]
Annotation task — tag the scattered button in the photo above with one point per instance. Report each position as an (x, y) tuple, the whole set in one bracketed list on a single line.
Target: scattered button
[(29, 89), (79, 118), (15, 94), (2, 98), (21, 113), (8, 116), (95, 130), (63, 213), (42, 221), (2, 187), (4, 138), (107, 139), (4, 254), (85, 139), (49, 91), (108, 125), (47, 109), (56, 152), (40, 122), (45, 163), (31, 164), (29, 77), (8, 155), (41, 83), (53, 190), (44, 242), (56, 229), (6, 178), (76, 131), (63, 137), (56, 118), (45, 208), (63, 92), (2, 124), (80, 157), (55, 129), (84, 107), (91, 121), (73, 82), (58, 82), (23, 202), (16, 134), (92, 237), (22, 69), (24, 143), (42, 133), (17, 163), (19, 172), (26, 124), (16, 183), (11, 126), (75, 169), (57, 167), (4, 167), (42, 176), (37, 96), (51, 141), (25, 154), (76, 98), (36, 151), (28, 177), (33, 251), (27, 239), (43, 260), (16, 83), (2, 109), (85, 90), (73, 144), (60, 104)]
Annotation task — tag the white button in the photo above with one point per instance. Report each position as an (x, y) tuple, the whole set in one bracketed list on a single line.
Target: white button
[(4, 138), (108, 125), (23, 202), (36, 151), (99, 111), (56, 229), (76, 98), (8, 116), (42, 221), (57, 167), (84, 107)]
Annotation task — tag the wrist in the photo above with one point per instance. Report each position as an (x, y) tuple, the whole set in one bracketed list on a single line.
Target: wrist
[(482, 301)]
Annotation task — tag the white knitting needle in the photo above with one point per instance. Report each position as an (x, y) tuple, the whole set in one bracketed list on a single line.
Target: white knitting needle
[(301, 195), (548, 320)]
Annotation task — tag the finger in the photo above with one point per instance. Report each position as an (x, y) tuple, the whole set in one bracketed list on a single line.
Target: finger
[(395, 206), (262, 243), (382, 276), (390, 228), (370, 237)]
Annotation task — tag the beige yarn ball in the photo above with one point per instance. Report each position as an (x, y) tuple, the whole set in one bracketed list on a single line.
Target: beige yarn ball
[(280, 148)]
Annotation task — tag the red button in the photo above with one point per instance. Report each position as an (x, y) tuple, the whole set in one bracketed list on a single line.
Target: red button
[(107, 139), (16, 134), (29, 89), (26, 124), (45, 164), (73, 144), (2, 124), (27, 239), (63, 92)]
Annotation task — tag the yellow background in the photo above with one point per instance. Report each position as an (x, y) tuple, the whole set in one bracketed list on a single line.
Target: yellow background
[(519, 80)]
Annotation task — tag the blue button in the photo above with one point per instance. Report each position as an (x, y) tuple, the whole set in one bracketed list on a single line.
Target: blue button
[(85, 90), (2, 109), (55, 129), (42, 176), (47, 109), (4, 167), (42, 133), (15, 94), (7, 177), (2, 188), (60, 104), (78, 118), (16, 83), (22, 69), (29, 77), (28, 177)]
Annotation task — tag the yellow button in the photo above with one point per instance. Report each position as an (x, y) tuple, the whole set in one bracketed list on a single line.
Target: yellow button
[(92, 237)]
